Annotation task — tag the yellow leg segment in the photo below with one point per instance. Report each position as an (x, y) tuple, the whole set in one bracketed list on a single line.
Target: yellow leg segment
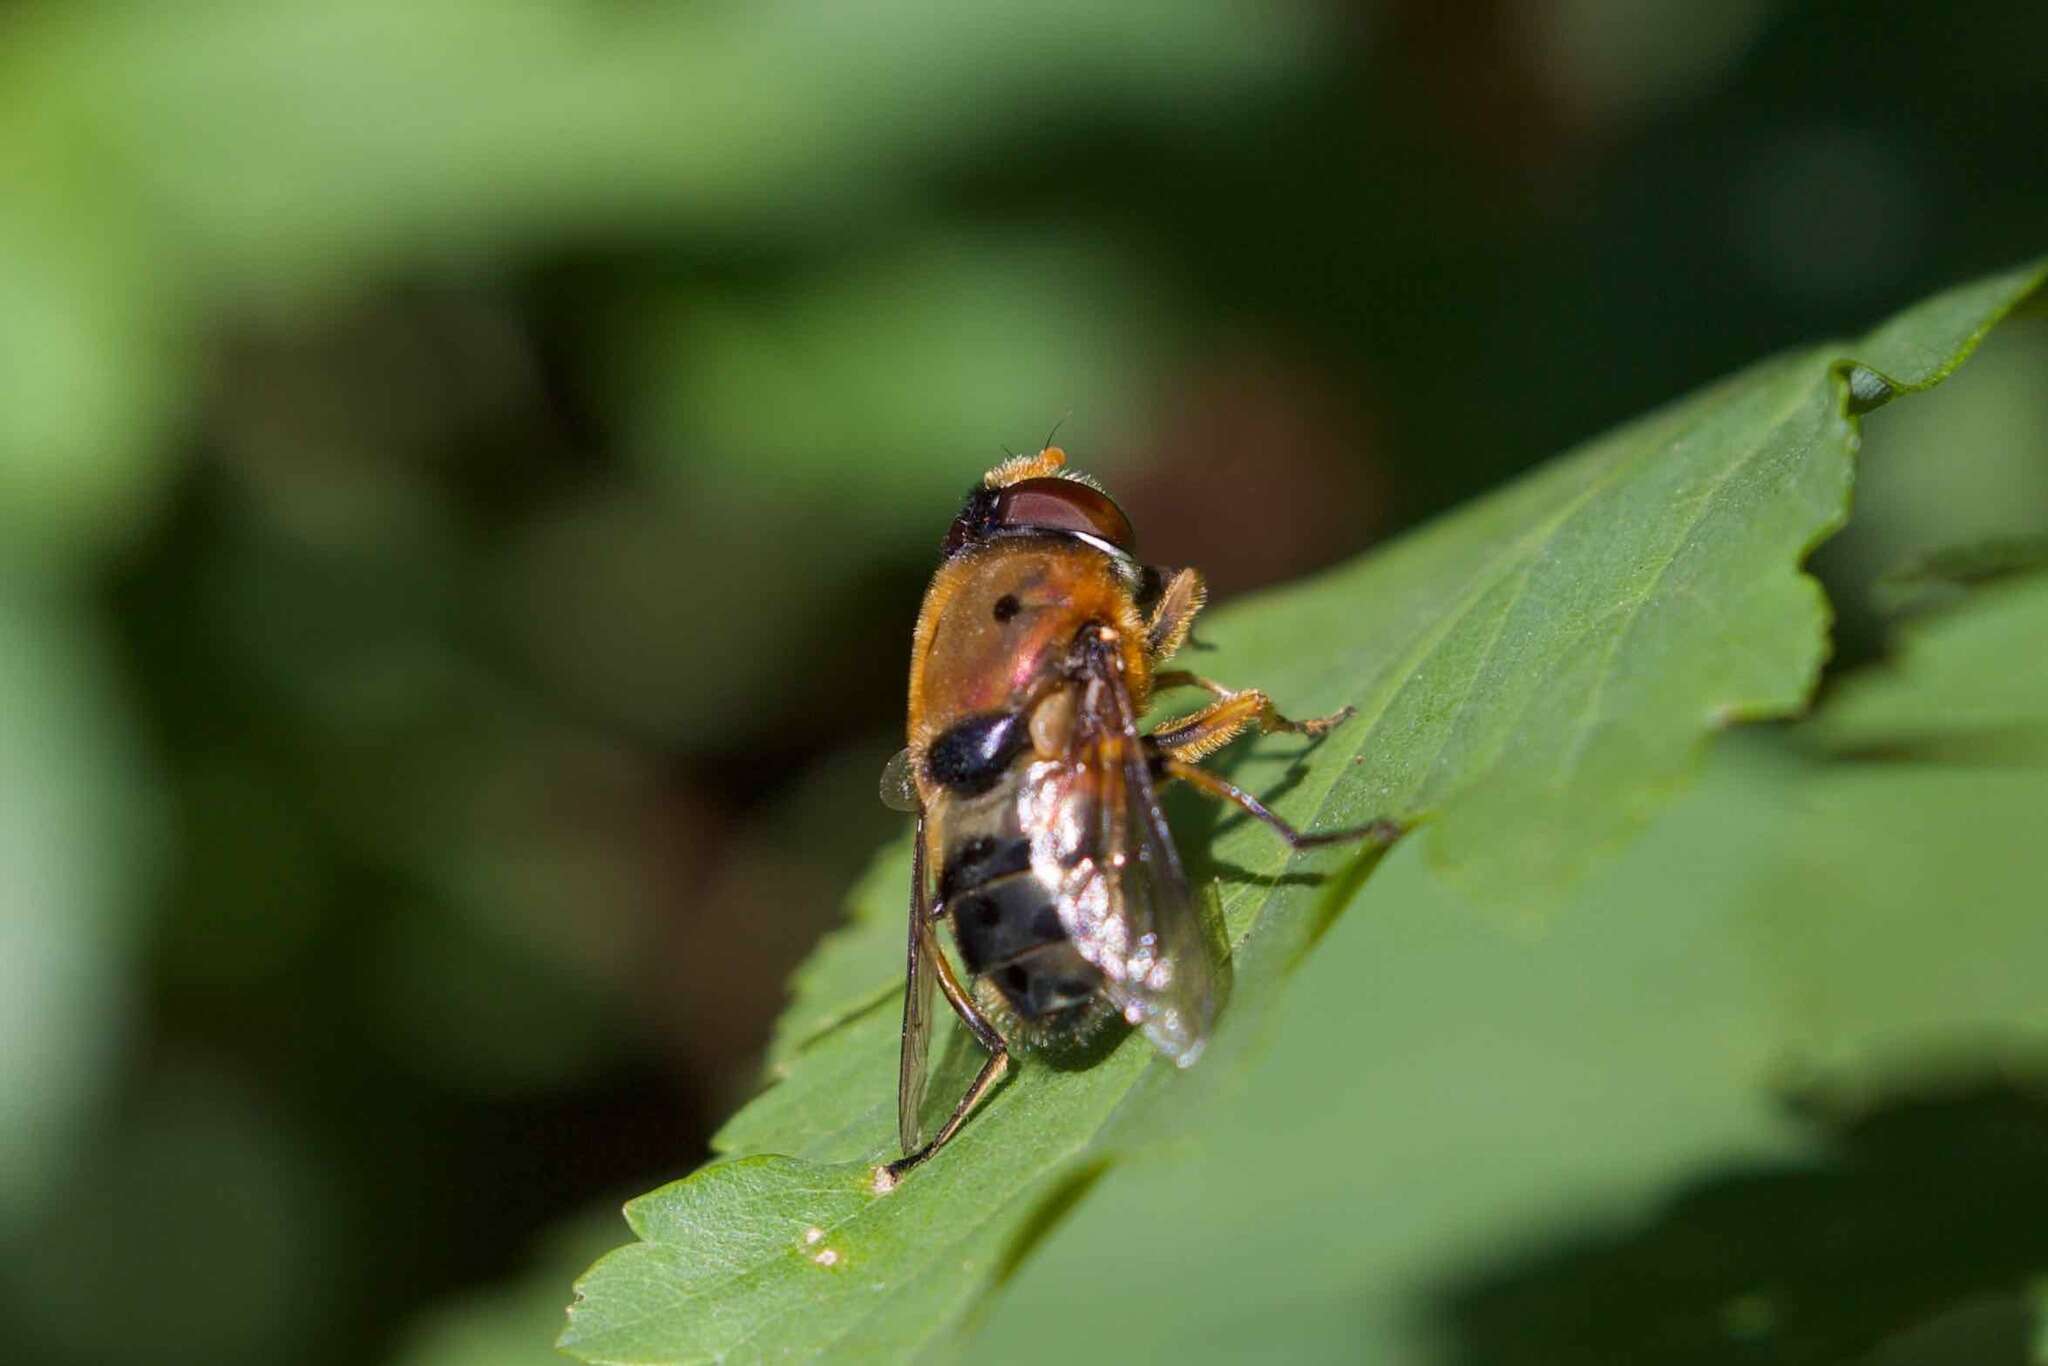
[(1202, 733)]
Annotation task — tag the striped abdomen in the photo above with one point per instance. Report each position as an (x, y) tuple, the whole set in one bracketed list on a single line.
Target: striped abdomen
[(1007, 924), (1005, 919)]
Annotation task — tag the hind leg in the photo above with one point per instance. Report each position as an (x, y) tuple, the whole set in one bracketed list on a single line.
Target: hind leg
[(1382, 832)]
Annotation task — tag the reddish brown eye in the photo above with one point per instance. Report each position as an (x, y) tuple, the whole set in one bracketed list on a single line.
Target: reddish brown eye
[(1052, 504)]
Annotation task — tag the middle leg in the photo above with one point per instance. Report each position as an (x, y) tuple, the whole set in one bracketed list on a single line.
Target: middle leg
[(1202, 733)]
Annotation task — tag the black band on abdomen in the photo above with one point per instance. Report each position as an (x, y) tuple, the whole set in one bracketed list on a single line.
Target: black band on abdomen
[(1004, 919), (981, 859)]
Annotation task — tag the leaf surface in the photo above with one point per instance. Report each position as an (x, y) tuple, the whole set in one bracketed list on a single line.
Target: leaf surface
[(1534, 676), (1844, 922)]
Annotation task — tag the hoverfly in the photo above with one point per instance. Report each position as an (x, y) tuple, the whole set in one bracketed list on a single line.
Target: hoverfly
[(1036, 651)]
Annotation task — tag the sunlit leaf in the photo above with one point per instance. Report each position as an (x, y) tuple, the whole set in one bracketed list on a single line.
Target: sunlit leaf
[(1440, 1096), (1534, 676)]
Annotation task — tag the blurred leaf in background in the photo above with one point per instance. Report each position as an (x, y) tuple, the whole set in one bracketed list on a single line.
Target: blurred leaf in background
[(165, 166), (513, 1323), (77, 847)]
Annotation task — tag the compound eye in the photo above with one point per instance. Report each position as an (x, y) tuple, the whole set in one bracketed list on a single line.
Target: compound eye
[(1052, 504)]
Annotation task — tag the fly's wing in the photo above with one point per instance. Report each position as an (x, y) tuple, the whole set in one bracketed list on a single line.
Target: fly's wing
[(921, 976), (898, 790), (1133, 917)]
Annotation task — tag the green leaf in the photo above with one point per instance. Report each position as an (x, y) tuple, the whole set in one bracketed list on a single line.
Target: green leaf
[(1439, 1095), (1534, 676)]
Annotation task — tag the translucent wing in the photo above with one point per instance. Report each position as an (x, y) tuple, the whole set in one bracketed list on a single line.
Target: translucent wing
[(1129, 910), (899, 792), (920, 978)]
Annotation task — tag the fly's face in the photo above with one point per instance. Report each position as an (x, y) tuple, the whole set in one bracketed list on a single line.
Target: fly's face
[(1041, 841)]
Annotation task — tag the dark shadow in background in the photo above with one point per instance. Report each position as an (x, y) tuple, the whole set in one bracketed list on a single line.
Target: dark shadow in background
[(1918, 1228)]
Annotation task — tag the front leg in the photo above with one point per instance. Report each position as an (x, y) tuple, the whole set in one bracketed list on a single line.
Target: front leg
[(1179, 603)]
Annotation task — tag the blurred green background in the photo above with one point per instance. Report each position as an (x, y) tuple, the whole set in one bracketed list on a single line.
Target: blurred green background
[(467, 472)]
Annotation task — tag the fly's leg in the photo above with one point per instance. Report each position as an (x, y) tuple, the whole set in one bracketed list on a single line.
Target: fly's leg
[(1176, 745), (992, 1071), (1383, 832), (1202, 733), (1179, 603)]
